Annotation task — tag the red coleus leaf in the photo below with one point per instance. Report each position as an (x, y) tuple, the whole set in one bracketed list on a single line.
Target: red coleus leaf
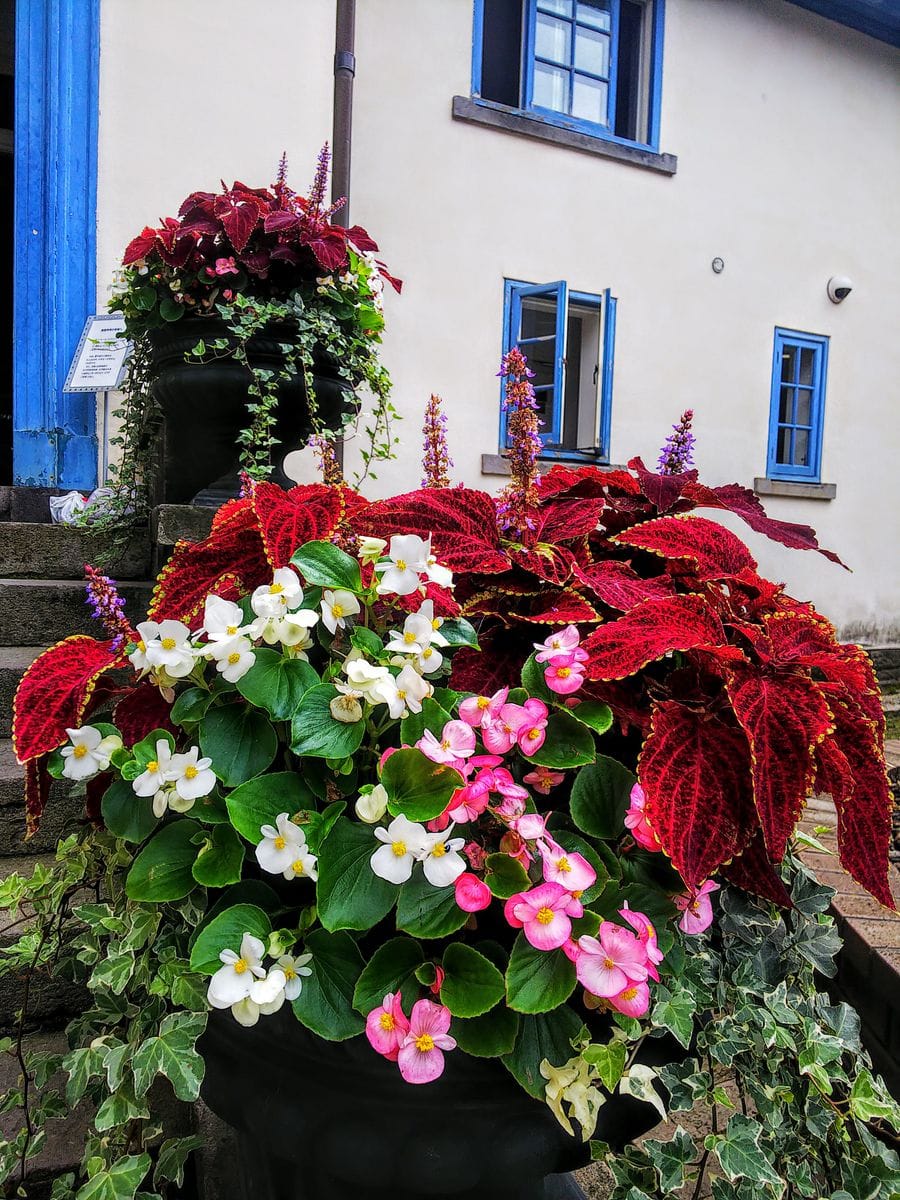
[(199, 219), (564, 606), (444, 602), (37, 792), (139, 247), (54, 693), (287, 520), (753, 872), (361, 240), (462, 523), (141, 710), (200, 200), (648, 632), (553, 564), (280, 221), (239, 211), (851, 768), (229, 563), (695, 772), (745, 504), (661, 490), (713, 551), (329, 245), (784, 717), (485, 671), (619, 585), (561, 520), (806, 639)]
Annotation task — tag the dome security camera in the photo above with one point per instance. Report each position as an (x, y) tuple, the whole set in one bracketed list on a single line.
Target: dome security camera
[(839, 288)]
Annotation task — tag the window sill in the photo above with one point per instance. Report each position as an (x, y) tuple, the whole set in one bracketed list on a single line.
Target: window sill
[(498, 464), (513, 120), (799, 490)]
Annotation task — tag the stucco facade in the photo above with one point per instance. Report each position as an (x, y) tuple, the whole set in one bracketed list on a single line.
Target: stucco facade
[(785, 129)]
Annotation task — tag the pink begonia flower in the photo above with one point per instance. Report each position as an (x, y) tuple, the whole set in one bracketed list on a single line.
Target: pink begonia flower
[(470, 801), (571, 950), (479, 709), (697, 908), (564, 675), (570, 869), (226, 266), (531, 826), (543, 913), (542, 779), (421, 1057), (557, 645), (510, 809), (533, 730), (635, 821), (472, 893), (457, 741), (514, 845), (633, 1001), (643, 927), (439, 973), (499, 733), (611, 961), (387, 1026)]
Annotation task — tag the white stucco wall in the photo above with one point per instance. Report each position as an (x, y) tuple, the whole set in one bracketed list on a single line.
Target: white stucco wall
[(788, 164)]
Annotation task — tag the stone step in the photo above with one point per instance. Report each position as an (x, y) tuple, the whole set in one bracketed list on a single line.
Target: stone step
[(886, 660), (14, 662), (42, 611), (62, 815), (29, 550)]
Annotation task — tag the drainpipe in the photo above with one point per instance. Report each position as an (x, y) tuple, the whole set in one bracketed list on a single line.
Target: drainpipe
[(342, 122)]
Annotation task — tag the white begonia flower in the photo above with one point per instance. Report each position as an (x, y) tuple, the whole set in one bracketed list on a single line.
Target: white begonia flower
[(191, 776), (413, 638), (233, 981), (406, 560), (222, 619), (404, 693), (89, 752), (370, 549), (267, 995), (429, 660), (373, 805), (336, 607), (441, 860), (294, 969), (404, 842), (346, 707), (233, 658), (280, 845), (147, 631), (280, 596), (435, 573), (426, 610), (364, 676), (293, 628), (156, 773), (304, 865), (172, 650)]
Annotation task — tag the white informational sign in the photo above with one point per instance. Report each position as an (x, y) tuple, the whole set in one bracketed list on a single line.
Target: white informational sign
[(99, 357)]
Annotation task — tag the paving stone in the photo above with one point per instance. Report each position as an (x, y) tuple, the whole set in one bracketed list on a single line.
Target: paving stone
[(171, 523), (30, 550), (14, 661), (43, 611)]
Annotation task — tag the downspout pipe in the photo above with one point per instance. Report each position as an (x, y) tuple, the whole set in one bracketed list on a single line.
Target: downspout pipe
[(342, 123)]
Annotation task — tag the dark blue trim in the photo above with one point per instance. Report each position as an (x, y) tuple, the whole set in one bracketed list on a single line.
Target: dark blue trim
[(477, 46), (810, 472), (57, 76), (607, 367), (879, 19)]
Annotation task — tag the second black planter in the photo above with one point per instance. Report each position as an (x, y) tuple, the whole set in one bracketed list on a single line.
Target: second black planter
[(205, 407)]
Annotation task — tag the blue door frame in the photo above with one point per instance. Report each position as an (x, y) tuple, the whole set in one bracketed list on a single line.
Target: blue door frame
[(57, 75)]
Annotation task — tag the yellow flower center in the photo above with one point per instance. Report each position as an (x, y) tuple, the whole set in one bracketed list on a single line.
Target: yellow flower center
[(337, 610), (275, 589), (153, 767), (409, 638), (240, 967), (399, 848), (608, 963), (563, 864), (191, 772), (401, 565), (533, 735), (424, 1041), (563, 672), (577, 895), (232, 630), (482, 702), (545, 915), (80, 751), (437, 622), (439, 850), (628, 994), (289, 973), (427, 652), (280, 842), (297, 867), (234, 658), (401, 695), (387, 1022), (169, 643), (445, 745), (142, 645)]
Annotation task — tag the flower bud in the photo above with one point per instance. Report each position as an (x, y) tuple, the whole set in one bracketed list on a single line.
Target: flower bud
[(372, 807), (371, 549), (346, 709)]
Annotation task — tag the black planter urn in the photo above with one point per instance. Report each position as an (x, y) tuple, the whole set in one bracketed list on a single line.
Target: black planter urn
[(319, 1120), (204, 405)]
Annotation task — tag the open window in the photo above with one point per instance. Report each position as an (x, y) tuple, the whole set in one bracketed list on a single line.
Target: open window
[(568, 339), (797, 405)]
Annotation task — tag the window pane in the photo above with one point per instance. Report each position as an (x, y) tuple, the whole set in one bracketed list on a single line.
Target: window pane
[(807, 365), (589, 100), (592, 51), (787, 364), (804, 406), (551, 87), (801, 447), (553, 39), (593, 12), (544, 401), (786, 407), (562, 8), (783, 448), (538, 320)]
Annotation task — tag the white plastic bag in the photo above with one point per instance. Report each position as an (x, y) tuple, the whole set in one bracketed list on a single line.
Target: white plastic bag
[(65, 509)]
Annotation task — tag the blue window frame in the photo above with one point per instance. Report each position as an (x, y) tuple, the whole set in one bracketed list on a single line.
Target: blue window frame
[(568, 338), (590, 65), (797, 408)]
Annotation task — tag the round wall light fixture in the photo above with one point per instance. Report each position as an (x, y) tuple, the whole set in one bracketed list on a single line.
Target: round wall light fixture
[(718, 265)]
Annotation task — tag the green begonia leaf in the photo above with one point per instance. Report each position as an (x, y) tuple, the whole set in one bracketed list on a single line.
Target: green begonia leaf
[(417, 787), (459, 632), (349, 893), (568, 743), (600, 797), (489, 1036), (392, 968), (162, 870), (426, 911), (326, 565), (125, 814), (549, 1036), (240, 741), (316, 733), (260, 801), (325, 1003), (472, 984), (277, 684), (220, 858), (505, 876), (224, 932), (537, 981)]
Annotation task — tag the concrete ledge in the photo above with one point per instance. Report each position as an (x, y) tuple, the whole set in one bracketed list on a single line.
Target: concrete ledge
[(799, 491), (498, 464), (514, 120), (171, 523)]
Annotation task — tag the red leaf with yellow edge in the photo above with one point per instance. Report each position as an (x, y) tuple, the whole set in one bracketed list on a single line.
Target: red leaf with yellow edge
[(851, 768), (37, 793), (561, 520), (648, 632), (288, 520), (140, 711), (619, 585), (695, 772), (663, 491), (753, 872), (462, 523), (54, 693), (496, 665), (807, 639), (713, 551), (784, 717), (551, 607), (553, 564)]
